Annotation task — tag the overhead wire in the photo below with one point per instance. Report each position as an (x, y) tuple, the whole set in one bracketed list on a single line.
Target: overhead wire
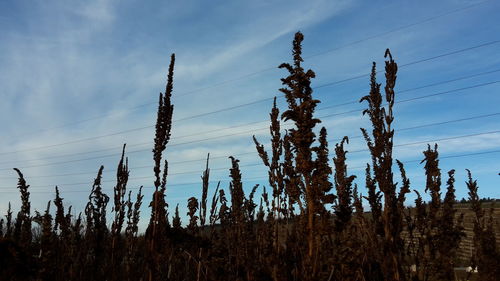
[(218, 111), (226, 180), (246, 132), (351, 152), (420, 97), (435, 140), (253, 152), (404, 91), (262, 121)]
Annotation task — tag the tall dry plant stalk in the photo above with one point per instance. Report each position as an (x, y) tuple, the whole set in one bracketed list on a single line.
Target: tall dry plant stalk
[(486, 256), (158, 225), (380, 144), (22, 226), (438, 231)]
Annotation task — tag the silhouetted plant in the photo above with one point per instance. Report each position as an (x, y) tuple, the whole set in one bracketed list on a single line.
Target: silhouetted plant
[(486, 256), (380, 145), (22, 227)]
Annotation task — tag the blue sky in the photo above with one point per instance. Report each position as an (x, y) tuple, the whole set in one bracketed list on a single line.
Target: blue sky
[(84, 69)]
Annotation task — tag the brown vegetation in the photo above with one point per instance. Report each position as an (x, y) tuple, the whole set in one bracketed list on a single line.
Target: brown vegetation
[(311, 225)]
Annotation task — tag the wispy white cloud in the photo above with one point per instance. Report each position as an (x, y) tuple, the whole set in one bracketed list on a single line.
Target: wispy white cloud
[(96, 11)]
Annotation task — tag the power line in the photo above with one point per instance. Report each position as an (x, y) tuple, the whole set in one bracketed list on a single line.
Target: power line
[(412, 63), (140, 150), (242, 133), (448, 138), (256, 122), (401, 101), (247, 179), (131, 152), (440, 157), (399, 28), (243, 105), (432, 124), (245, 132), (86, 120), (417, 88), (421, 97), (107, 181), (143, 167), (253, 152), (435, 140), (354, 151), (351, 102), (149, 177), (402, 27), (79, 140), (450, 91)]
